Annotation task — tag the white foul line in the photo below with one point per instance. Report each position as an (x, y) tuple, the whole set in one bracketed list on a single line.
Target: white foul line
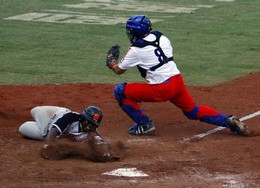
[(250, 116), (220, 128)]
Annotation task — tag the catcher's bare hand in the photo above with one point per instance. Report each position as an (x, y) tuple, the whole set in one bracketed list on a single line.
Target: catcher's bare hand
[(112, 56)]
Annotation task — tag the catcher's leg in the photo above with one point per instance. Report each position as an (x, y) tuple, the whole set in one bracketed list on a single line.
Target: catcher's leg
[(185, 102), (208, 115), (31, 130), (129, 95), (143, 124), (130, 107), (211, 116)]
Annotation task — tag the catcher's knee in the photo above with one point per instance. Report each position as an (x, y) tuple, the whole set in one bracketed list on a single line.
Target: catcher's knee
[(119, 92), (192, 114)]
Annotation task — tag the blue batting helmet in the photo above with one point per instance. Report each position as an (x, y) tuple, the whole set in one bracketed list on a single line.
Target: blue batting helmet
[(138, 27)]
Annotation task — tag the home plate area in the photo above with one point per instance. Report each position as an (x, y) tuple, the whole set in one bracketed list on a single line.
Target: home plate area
[(219, 159), (126, 172)]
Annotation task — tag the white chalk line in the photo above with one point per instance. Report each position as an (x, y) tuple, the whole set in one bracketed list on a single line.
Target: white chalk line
[(220, 128)]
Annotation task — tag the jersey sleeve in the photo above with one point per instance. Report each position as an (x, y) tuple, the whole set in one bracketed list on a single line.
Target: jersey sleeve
[(129, 60), (66, 120)]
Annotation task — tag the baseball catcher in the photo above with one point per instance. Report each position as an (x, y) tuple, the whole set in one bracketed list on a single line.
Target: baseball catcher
[(67, 133), (151, 52)]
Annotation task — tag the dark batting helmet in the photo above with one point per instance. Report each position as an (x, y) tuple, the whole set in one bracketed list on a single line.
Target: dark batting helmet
[(93, 114)]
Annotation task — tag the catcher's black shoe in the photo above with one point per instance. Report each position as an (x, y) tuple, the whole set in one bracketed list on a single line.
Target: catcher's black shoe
[(142, 129), (236, 126)]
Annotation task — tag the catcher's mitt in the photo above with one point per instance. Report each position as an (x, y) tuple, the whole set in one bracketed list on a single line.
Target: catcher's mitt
[(112, 56)]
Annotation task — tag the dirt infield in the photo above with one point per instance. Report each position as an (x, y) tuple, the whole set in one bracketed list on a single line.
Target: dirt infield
[(218, 160)]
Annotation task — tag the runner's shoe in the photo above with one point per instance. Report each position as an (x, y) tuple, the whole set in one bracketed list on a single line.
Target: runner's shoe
[(142, 129)]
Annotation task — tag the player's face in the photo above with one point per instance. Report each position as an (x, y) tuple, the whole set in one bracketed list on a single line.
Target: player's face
[(130, 36), (87, 126)]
